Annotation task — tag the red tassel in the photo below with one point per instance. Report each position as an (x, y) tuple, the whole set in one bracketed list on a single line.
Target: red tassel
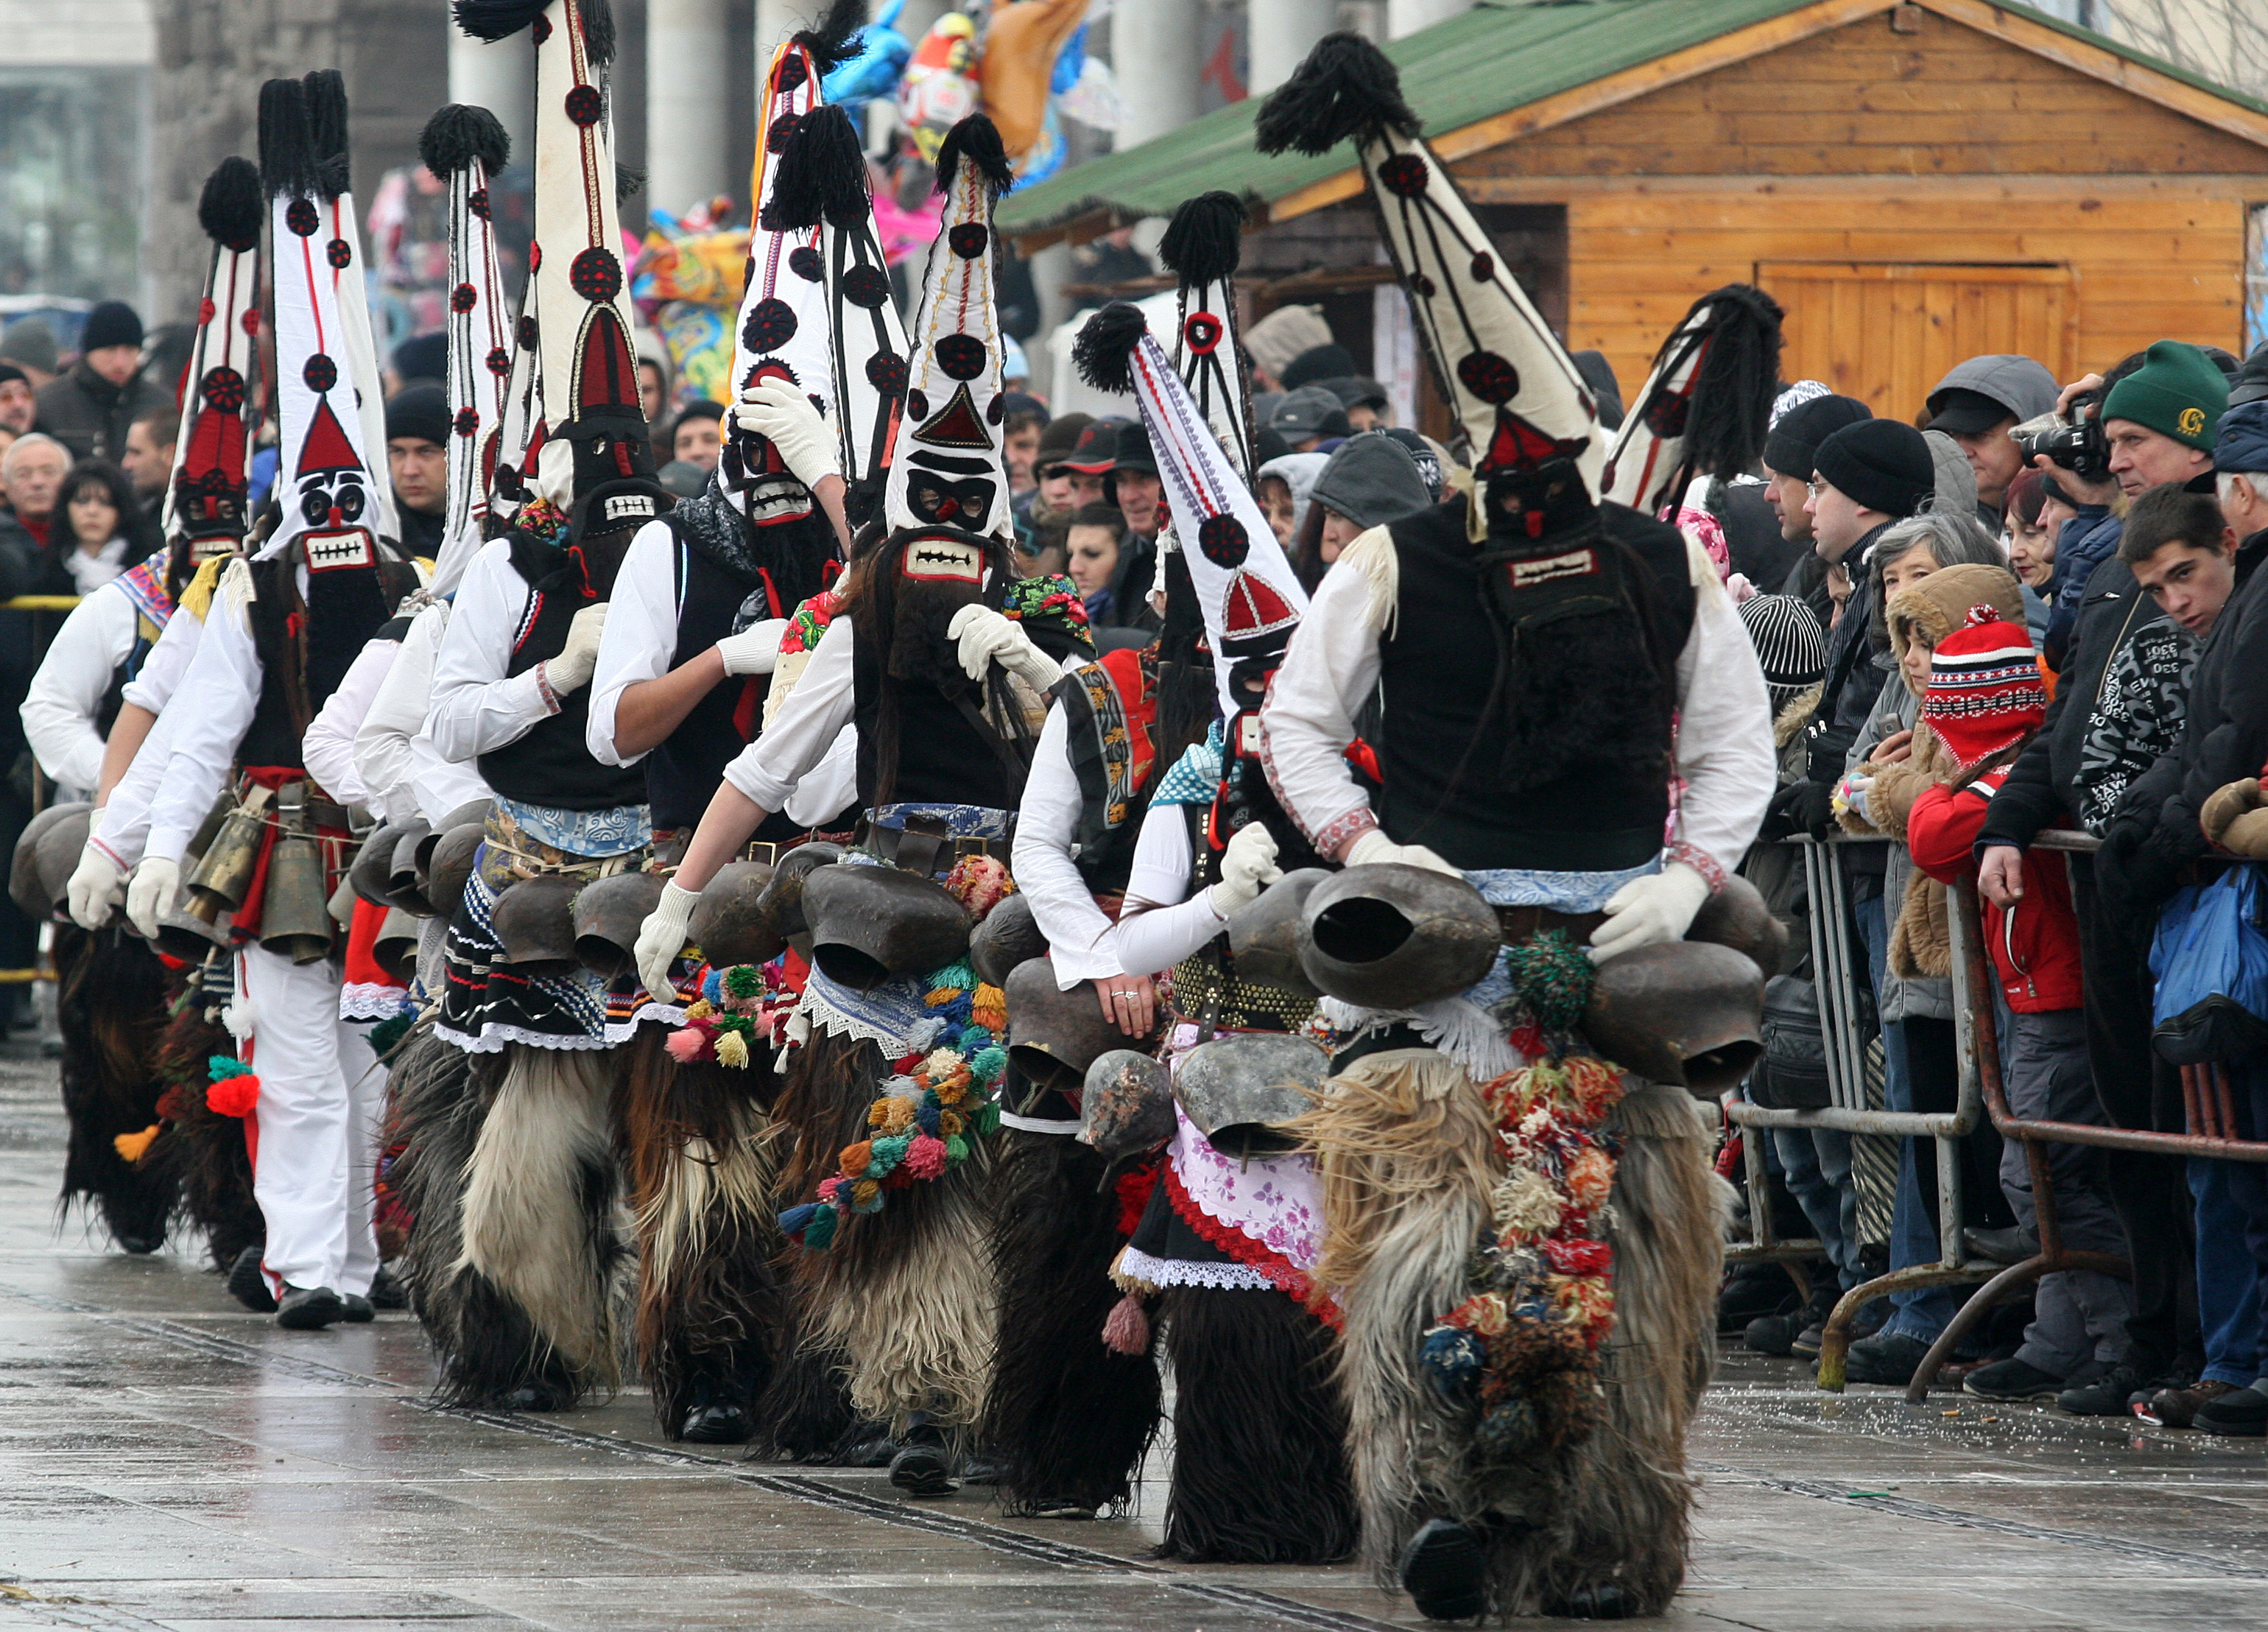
[(234, 1096), (1126, 1329)]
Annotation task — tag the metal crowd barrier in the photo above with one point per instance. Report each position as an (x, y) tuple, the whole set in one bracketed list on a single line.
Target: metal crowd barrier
[(1837, 966)]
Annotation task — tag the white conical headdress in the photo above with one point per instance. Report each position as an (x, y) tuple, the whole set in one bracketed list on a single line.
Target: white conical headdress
[(205, 498), (588, 375), (327, 121), (1250, 597), (1519, 402), (464, 147), (946, 468), (1202, 246), (325, 483)]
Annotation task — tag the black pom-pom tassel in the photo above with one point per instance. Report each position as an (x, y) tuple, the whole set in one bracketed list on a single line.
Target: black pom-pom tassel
[(1103, 353), (230, 207), (458, 135), (287, 154), (976, 140), (822, 173), (1204, 240), (1346, 88), (834, 38)]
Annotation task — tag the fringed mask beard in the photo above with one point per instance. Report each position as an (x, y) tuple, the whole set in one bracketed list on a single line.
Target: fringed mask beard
[(933, 575), (1570, 608)]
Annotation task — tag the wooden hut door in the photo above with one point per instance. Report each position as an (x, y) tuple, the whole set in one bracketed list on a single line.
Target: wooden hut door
[(1885, 332)]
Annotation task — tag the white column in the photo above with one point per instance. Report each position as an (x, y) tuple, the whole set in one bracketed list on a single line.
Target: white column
[(688, 54), (776, 20), (1407, 16), (1156, 50), (501, 77), (1281, 32)]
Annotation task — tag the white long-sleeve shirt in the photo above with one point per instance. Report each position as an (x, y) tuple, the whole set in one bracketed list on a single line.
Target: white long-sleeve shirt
[(66, 693), (1164, 921), (394, 756), (1081, 943), (154, 683), (1724, 727), (641, 635), (327, 747), (223, 683), (476, 707), (816, 713), (122, 825)]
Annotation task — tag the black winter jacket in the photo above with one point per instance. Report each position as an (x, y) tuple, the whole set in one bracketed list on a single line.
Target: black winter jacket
[(90, 417)]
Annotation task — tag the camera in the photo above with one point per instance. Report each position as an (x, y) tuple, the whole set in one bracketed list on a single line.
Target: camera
[(2076, 444)]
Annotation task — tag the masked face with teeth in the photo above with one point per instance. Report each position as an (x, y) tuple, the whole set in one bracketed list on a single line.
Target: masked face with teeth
[(926, 574), (753, 470)]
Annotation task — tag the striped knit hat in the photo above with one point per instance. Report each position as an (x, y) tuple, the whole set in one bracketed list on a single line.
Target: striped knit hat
[(1985, 689), (1791, 646)]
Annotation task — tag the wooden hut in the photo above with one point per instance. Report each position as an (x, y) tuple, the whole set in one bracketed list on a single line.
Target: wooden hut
[(1916, 182)]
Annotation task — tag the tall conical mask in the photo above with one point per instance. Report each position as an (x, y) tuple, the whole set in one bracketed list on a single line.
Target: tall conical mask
[(205, 498), (325, 481), (464, 147), (1250, 597), (821, 186), (946, 469), (1202, 246), (1707, 403), (327, 124), (1519, 404), (588, 371)]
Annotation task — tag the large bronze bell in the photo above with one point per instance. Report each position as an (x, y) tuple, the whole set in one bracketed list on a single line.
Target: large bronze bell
[(1127, 1109), (1006, 936), (405, 884), (1240, 1091), (1737, 917), (1684, 1012), (395, 948), (781, 905), (451, 868), (295, 907), (606, 918), (373, 863), (225, 873), (871, 923), (188, 928), (728, 922), (46, 853), (1264, 936), (1054, 1035), (1391, 936), (535, 925)]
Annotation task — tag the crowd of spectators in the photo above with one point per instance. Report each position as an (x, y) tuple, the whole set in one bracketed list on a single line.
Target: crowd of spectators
[(2073, 641)]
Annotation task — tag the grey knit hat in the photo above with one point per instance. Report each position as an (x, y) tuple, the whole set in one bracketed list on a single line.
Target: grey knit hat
[(1371, 480)]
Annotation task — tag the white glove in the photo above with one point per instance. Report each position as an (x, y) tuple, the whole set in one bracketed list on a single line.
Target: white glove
[(151, 893), (755, 649), (98, 884), (1247, 867), (1657, 907), (779, 411), (662, 937), (1376, 847), (987, 637), (577, 659)]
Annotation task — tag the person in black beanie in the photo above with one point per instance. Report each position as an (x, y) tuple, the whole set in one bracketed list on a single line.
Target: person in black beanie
[(418, 460), (1865, 476), (90, 409)]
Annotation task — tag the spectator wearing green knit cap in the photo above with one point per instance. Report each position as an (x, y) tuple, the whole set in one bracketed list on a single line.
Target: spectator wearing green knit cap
[(2159, 419)]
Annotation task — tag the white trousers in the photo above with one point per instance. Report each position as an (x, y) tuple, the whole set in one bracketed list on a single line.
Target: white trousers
[(322, 1093)]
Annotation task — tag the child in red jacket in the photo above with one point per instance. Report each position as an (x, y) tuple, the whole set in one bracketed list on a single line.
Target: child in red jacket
[(1985, 701)]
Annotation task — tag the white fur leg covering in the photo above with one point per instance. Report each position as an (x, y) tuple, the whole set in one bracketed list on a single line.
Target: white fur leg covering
[(541, 1220)]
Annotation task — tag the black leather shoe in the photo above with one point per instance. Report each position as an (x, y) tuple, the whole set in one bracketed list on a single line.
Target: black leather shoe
[(386, 1290), (924, 1464), (248, 1286), (309, 1309), (1445, 1571), (355, 1309), (139, 1245), (1600, 1601), (537, 1397), (2012, 1245), (979, 1467), (718, 1425)]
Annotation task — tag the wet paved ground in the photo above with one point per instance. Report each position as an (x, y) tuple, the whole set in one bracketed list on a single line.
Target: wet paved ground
[(167, 1460)]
